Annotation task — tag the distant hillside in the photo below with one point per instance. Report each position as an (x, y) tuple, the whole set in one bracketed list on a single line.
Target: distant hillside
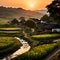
[(18, 12), (41, 11)]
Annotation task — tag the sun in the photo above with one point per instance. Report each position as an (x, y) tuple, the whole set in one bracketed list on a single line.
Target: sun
[(31, 5)]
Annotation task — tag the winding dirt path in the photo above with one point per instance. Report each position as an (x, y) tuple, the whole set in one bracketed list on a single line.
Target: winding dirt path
[(24, 48)]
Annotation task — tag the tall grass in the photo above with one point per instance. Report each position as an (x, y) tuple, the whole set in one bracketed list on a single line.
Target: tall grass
[(38, 52), (8, 45)]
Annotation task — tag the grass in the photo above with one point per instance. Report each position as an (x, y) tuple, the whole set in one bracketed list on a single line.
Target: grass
[(38, 52), (4, 20), (36, 40), (46, 36), (32, 43), (8, 45), (10, 29), (56, 57)]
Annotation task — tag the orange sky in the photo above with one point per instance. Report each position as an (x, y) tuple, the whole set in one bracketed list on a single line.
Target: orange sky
[(26, 4)]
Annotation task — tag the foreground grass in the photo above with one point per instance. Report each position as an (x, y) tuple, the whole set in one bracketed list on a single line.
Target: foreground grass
[(37, 53), (57, 56), (8, 45)]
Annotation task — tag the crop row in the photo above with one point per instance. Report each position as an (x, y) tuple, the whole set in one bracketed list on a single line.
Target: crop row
[(45, 37), (8, 45), (38, 52)]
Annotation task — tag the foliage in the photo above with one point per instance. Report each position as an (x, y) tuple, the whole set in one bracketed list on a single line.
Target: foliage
[(45, 18), (8, 45), (32, 43), (30, 23), (54, 10), (38, 52), (14, 21)]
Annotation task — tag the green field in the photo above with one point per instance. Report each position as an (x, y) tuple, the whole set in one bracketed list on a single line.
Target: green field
[(46, 36), (38, 52), (10, 29), (4, 20), (36, 40), (8, 45)]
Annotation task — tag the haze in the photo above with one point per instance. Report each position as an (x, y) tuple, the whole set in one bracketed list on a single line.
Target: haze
[(26, 4)]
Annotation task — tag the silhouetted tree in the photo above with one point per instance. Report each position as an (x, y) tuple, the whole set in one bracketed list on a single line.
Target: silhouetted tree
[(14, 21), (54, 10), (22, 20), (45, 18)]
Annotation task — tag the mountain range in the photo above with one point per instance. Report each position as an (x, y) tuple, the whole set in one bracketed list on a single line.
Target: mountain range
[(20, 12)]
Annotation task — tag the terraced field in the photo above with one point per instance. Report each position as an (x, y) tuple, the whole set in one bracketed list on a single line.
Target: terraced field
[(46, 36), (37, 53), (10, 31), (8, 45)]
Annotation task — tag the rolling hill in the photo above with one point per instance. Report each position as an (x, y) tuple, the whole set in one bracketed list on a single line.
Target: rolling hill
[(18, 12)]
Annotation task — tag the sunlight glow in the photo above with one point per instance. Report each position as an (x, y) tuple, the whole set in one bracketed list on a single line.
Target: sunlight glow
[(26, 4), (31, 5)]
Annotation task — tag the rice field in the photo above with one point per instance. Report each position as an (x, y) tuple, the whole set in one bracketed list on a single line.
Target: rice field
[(46, 36), (37, 53), (10, 29), (8, 45)]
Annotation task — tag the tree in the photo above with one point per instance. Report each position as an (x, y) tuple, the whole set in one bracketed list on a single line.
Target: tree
[(30, 23), (45, 18), (54, 10), (14, 21), (22, 20)]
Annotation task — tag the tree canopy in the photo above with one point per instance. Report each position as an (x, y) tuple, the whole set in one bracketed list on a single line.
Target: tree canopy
[(30, 23), (45, 18), (14, 21), (54, 10)]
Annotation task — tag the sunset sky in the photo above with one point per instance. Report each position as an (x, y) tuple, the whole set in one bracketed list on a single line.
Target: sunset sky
[(26, 4)]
